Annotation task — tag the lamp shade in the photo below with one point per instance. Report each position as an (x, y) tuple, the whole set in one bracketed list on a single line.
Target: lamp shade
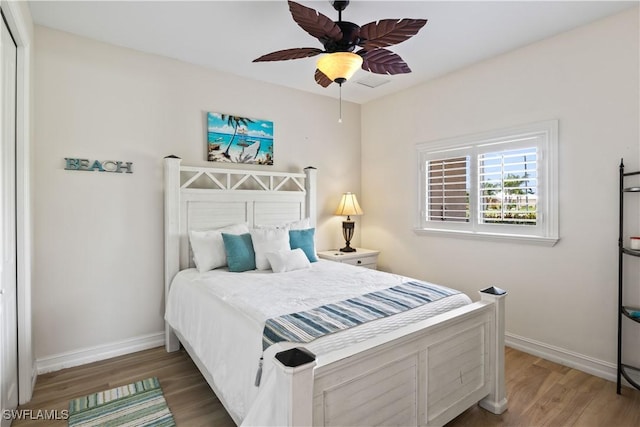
[(339, 66), (349, 205)]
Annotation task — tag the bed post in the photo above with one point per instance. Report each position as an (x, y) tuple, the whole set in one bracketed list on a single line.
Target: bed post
[(294, 387), (310, 186), (496, 401), (171, 236)]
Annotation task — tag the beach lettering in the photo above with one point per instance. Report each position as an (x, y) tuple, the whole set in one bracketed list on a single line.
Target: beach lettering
[(73, 164)]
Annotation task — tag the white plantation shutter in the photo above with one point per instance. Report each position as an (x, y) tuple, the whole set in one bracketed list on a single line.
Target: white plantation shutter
[(448, 189), (508, 187), (495, 185)]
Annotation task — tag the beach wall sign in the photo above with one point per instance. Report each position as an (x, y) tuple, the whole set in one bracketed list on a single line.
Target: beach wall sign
[(73, 164)]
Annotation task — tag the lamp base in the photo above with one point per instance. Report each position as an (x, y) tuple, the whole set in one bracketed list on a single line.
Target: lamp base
[(347, 233)]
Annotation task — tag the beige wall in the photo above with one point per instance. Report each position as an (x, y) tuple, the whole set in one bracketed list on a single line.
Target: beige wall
[(564, 296), (99, 237)]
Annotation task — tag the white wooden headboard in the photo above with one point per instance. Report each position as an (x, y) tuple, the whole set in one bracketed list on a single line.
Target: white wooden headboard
[(203, 198)]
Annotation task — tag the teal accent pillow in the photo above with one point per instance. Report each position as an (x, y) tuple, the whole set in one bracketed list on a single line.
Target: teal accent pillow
[(239, 250), (304, 239)]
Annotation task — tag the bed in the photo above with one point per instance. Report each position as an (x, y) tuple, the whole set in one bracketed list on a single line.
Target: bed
[(423, 366)]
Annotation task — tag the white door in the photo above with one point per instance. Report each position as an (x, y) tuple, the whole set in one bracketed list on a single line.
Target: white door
[(8, 281)]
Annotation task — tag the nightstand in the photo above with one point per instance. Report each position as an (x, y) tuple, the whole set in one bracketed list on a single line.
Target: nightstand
[(361, 257)]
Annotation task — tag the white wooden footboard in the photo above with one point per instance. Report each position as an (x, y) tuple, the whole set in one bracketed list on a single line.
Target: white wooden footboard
[(424, 374)]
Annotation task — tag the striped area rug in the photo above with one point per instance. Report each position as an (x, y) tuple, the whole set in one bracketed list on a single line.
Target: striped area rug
[(133, 405)]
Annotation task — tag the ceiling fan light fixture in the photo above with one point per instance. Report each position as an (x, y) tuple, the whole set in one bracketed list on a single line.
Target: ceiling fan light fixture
[(339, 66)]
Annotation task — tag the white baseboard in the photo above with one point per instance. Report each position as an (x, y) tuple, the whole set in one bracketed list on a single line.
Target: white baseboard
[(99, 352), (583, 363), (34, 378)]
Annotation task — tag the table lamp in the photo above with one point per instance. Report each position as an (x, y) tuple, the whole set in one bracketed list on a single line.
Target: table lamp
[(348, 206)]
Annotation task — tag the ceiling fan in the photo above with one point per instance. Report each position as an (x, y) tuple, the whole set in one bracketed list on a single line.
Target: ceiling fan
[(341, 38)]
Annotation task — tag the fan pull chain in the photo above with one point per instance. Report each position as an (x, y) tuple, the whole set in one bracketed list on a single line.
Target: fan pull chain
[(340, 118)]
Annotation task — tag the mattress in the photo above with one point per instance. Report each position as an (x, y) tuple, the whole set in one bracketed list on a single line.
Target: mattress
[(222, 315)]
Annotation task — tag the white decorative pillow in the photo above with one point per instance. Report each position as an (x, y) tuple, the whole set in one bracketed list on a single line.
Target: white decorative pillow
[(208, 247), (294, 225), (268, 240), (288, 260), (303, 224)]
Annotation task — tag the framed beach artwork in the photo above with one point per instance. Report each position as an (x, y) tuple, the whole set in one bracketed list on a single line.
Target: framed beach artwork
[(238, 139)]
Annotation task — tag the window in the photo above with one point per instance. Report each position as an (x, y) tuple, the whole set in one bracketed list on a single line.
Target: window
[(495, 185), (508, 189), (448, 189)]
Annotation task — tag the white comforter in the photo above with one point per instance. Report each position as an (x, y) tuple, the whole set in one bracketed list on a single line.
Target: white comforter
[(222, 314)]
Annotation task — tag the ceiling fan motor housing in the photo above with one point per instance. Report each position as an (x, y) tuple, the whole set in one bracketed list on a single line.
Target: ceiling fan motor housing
[(348, 42)]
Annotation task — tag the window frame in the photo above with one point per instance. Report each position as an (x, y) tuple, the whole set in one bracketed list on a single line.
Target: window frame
[(545, 232)]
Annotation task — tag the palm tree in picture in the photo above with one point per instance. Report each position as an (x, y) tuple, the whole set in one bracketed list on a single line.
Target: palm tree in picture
[(235, 121)]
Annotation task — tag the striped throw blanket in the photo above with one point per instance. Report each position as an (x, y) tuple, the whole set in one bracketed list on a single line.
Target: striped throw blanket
[(305, 326)]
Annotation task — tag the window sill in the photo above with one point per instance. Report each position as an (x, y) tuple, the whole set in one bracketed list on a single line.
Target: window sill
[(492, 237)]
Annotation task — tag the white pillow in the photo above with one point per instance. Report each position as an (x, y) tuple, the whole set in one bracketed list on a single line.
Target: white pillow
[(288, 260), (268, 240), (302, 224), (208, 247)]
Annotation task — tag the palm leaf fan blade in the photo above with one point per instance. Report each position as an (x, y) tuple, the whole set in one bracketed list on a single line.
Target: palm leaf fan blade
[(388, 32), (383, 61), (314, 22), (286, 54), (322, 79)]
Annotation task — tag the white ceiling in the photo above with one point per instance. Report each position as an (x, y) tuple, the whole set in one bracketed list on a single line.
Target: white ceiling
[(228, 35)]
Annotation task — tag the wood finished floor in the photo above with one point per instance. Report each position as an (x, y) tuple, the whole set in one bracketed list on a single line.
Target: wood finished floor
[(540, 393)]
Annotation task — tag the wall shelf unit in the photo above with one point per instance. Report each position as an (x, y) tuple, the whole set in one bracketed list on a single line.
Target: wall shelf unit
[(631, 314)]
